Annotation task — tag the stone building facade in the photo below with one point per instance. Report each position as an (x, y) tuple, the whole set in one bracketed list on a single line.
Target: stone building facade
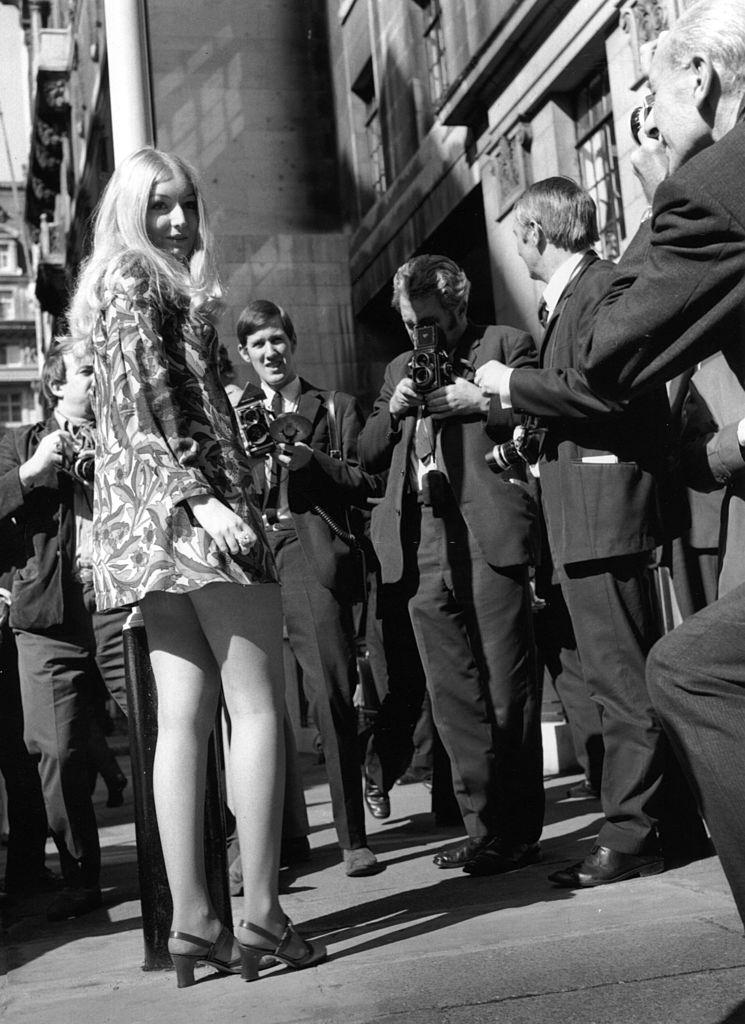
[(447, 109)]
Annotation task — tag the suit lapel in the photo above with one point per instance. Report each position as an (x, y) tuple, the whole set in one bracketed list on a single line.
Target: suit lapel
[(310, 403)]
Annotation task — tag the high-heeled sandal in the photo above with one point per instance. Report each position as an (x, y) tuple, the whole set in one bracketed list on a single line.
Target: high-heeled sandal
[(205, 953), (252, 956)]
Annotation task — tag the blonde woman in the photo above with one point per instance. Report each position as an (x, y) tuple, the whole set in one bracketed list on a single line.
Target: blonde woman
[(175, 532)]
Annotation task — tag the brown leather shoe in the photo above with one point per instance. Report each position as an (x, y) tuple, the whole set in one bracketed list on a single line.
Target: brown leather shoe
[(499, 857), (458, 855), (603, 866)]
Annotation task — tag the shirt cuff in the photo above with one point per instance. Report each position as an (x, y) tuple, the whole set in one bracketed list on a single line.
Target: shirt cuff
[(504, 390)]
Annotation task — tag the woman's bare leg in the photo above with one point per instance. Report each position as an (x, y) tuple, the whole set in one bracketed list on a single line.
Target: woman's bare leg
[(244, 628), (188, 686)]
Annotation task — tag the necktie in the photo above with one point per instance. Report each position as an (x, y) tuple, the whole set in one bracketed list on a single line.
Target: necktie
[(275, 469), (543, 313), (424, 438)]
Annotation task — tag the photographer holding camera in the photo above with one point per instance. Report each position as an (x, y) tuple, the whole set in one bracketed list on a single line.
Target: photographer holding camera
[(63, 642), (309, 479), (455, 540), (608, 502)]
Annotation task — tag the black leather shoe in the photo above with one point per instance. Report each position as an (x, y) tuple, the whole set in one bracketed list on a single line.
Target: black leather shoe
[(378, 802), (603, 866), (498, 857), (457, 856), (583, 790), (73, 903)]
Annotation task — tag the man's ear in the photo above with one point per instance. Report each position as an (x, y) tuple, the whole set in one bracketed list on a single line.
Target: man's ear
[(243, 353), (706, 81)]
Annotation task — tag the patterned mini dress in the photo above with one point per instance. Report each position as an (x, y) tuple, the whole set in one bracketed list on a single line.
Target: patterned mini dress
[(166, 433)]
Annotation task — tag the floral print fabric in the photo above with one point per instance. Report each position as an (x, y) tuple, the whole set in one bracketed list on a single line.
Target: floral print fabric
[(166, 433)]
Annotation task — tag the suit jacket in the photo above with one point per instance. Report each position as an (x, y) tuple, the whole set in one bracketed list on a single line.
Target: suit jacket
[(689, 299), (604, 465), (497, 507), (713, 459), (335, 485), (43, 525)]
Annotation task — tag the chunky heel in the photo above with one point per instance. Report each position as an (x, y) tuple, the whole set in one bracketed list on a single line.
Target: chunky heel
[(184, 965), (202, 952), (255, 957), (250, 963)]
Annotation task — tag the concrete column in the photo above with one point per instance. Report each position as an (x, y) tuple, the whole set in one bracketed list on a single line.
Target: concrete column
[(129, 76)]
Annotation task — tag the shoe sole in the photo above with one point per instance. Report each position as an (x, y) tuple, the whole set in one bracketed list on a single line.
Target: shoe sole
[(482, 868), (626, 876)]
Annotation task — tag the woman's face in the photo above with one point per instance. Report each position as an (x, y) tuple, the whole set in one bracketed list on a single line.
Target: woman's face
[(172, 219)]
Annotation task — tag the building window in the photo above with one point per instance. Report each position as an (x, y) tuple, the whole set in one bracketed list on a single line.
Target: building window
[(7, 258), (369, 122), (598, 162), (7, 304), (11, 407), (434, 43)]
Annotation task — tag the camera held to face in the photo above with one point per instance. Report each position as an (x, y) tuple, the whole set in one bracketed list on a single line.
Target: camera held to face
[(262, 431), (523, 447), (429, 367), (637, 119)]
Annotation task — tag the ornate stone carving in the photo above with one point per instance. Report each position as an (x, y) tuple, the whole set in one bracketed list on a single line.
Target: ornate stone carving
[(643, 20), (510, 165)]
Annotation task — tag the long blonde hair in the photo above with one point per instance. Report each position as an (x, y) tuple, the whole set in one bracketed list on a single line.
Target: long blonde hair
[(124, 260)]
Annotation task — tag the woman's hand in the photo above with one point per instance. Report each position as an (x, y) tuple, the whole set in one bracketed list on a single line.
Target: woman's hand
[(230, 533)]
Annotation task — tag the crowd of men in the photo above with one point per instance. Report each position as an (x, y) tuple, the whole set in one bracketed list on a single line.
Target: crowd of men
[(492, 464)]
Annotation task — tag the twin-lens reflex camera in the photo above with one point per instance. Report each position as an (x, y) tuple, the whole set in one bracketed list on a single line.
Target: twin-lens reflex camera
[(262, 429), (430, 366)]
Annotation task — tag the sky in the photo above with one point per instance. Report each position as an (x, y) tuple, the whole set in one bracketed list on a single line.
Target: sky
[(13, 104)]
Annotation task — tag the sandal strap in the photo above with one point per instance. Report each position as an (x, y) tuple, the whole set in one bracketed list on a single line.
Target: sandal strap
[(194, 939)]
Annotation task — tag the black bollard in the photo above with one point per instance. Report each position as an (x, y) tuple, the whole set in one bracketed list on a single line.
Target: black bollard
[(155, 896)]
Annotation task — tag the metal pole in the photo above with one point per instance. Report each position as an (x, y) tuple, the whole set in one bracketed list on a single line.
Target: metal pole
[(155, 896), (129, 76)]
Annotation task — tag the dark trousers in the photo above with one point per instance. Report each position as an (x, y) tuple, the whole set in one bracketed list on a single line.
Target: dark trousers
[(557, 646), (615, 622), (696, 677), (58, 670), (27, 820), (391, 746), (320, 631), (473, 626)]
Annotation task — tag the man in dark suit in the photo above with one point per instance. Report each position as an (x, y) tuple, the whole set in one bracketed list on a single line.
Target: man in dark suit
[(603, 474), (305, 487), (459, 539), (688, 302), (63, 642)]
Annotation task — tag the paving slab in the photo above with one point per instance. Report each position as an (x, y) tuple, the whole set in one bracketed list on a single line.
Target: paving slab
[(411, 945)]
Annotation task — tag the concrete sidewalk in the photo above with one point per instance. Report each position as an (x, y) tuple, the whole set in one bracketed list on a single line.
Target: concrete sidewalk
[(412, 945)]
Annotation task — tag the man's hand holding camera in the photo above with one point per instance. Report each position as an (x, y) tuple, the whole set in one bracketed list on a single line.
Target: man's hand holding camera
[(54, 452), (294, 456), (404, 397), (461, 398)]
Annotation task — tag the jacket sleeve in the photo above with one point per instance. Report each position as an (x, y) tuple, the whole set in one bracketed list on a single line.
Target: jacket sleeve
[(149, 415), (710, 455), (351, 484), (11, 494), (689, 294), (517, 350), (381, 433)]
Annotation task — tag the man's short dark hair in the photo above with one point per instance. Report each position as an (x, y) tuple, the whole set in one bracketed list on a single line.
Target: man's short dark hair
[(431, 275), (54, 371), (565, 212), (258, 314)]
